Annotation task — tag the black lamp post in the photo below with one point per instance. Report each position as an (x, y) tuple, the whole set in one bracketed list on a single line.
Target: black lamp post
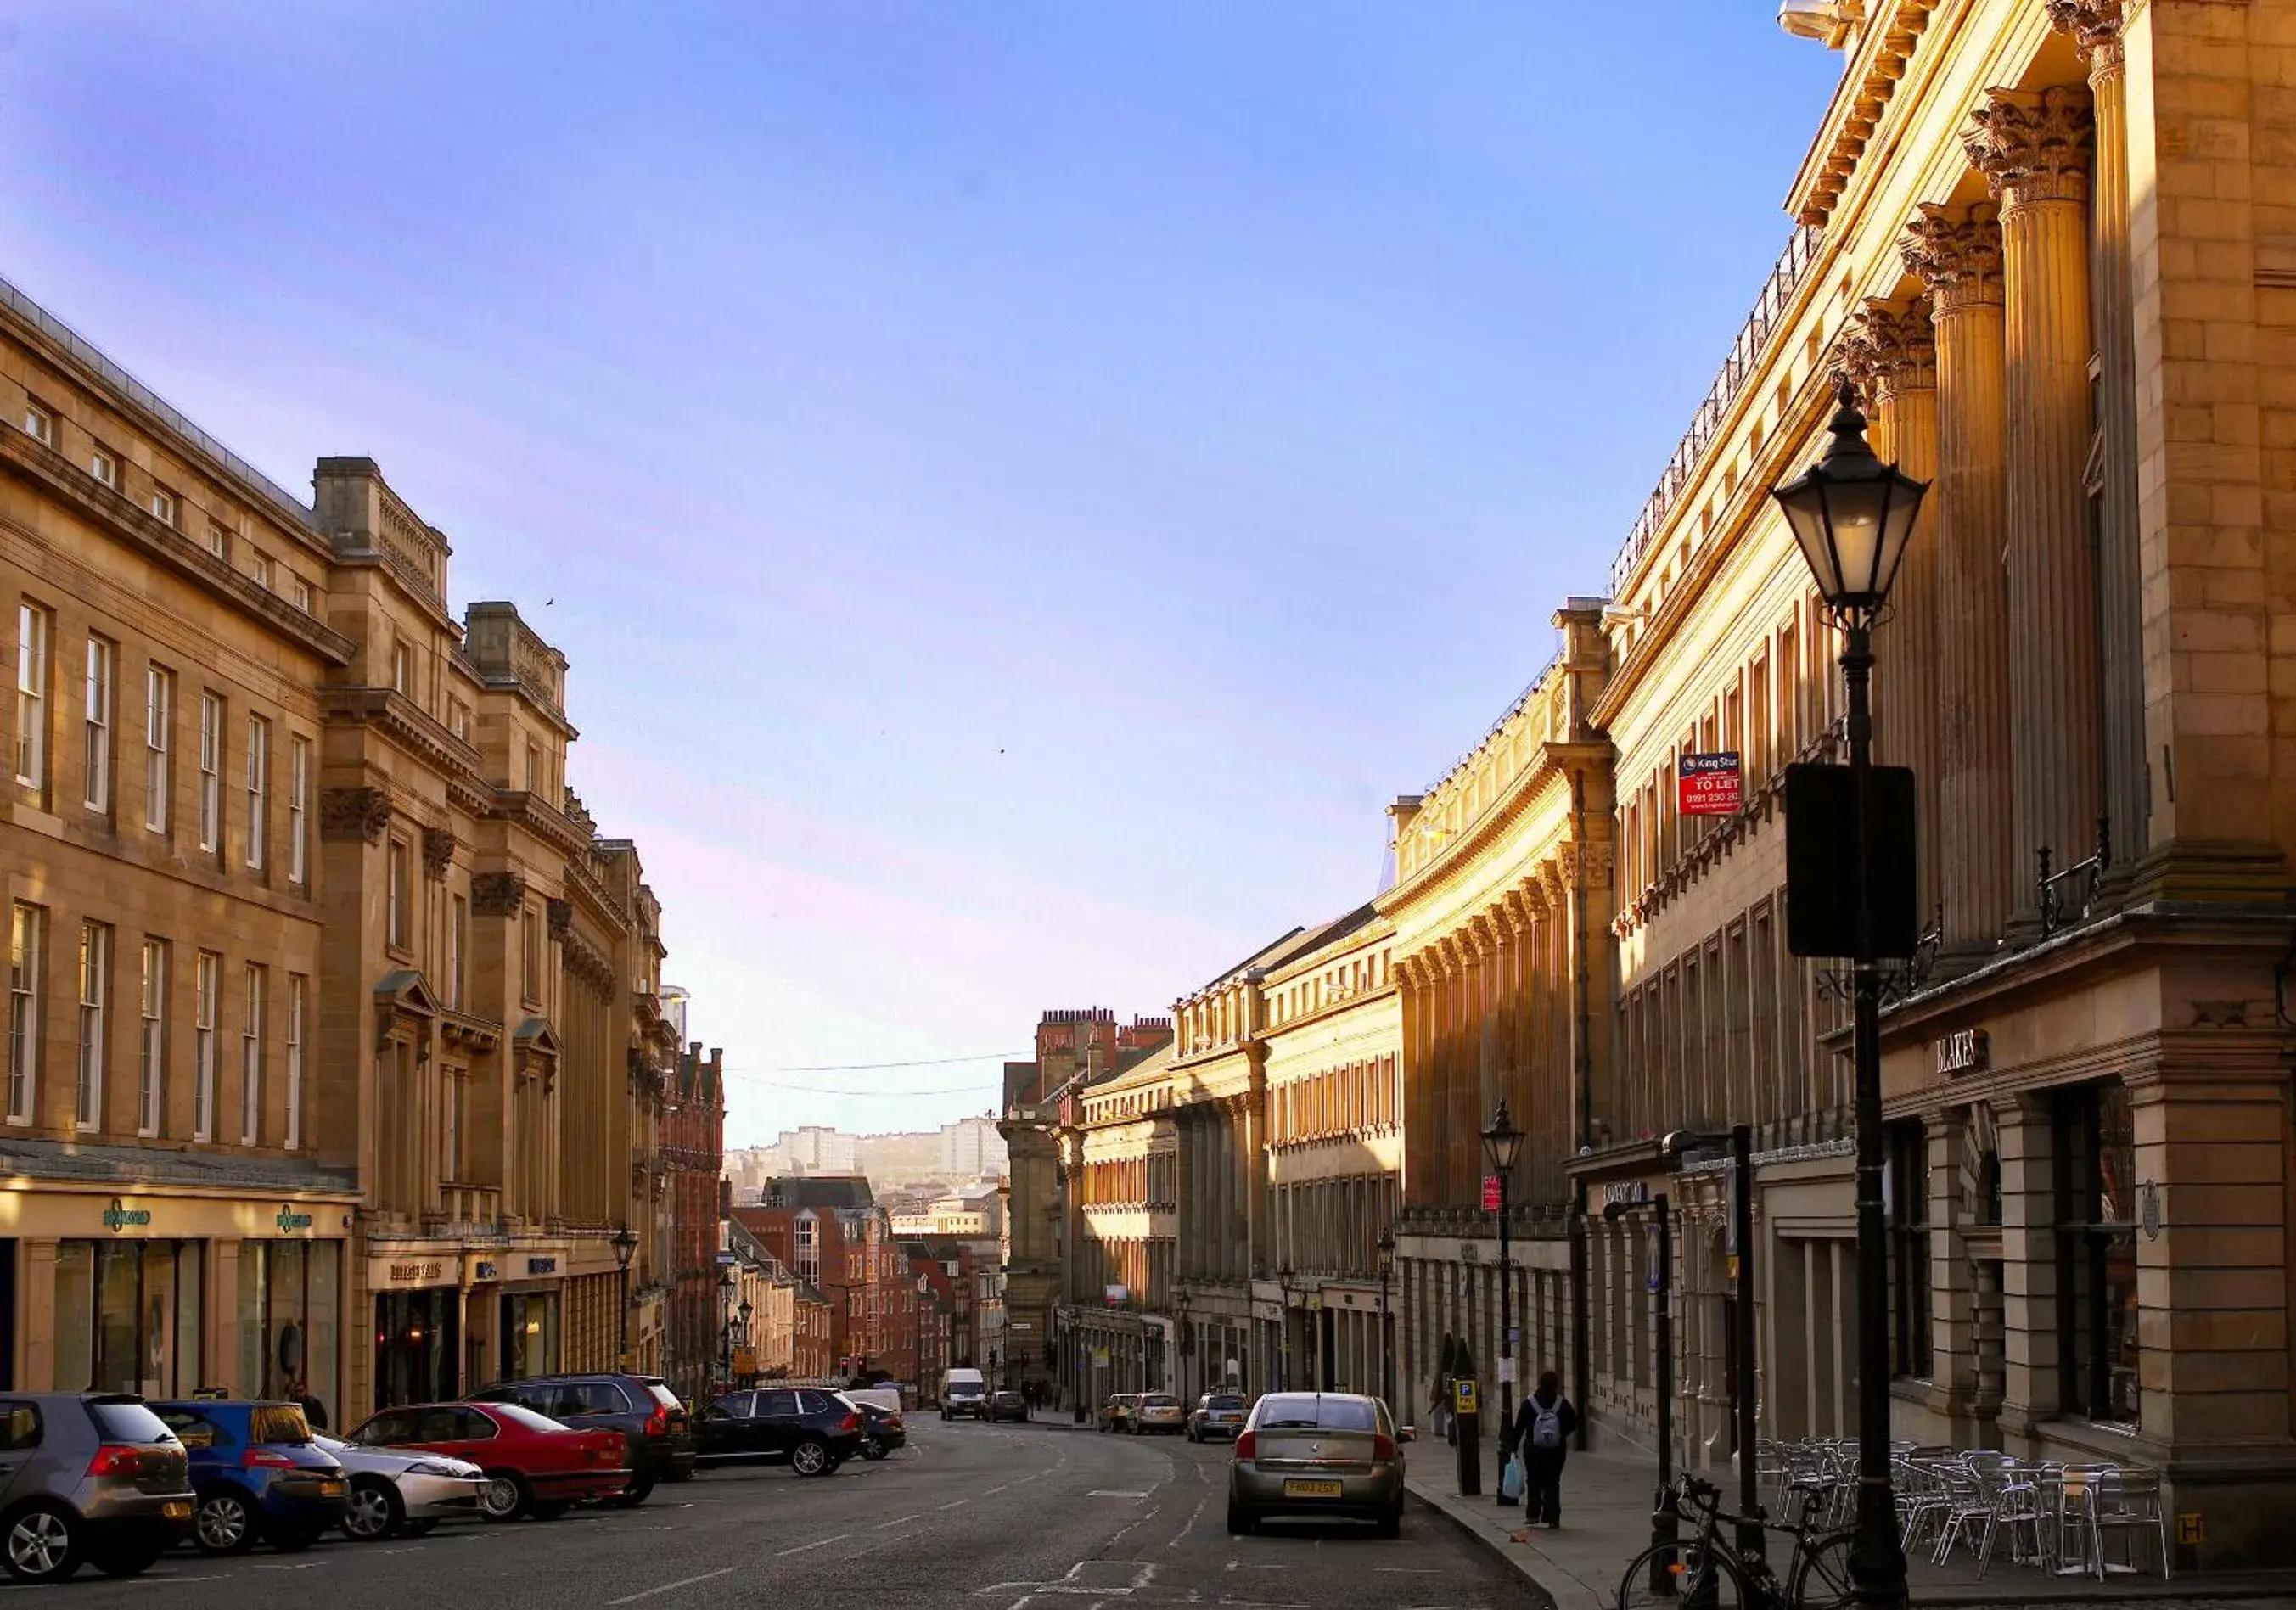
[(1386, 1335), (626, 1247), (1186, 1343), (1283, 1331), (1853, 517), (725, 1324), (1502, 1144)]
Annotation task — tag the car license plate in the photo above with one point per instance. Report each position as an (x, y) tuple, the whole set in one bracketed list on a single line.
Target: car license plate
[(177, 1510), (330, 1490), (1311, 1490)]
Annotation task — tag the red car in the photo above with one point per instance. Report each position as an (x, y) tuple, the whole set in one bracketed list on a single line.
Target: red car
[(534, 1464)]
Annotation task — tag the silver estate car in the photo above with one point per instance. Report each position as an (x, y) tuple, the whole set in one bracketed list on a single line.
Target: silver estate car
[(1317, 1453), (396, 1494)]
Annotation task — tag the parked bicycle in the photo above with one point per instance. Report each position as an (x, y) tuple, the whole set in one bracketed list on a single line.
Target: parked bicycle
[(1706, 1571)]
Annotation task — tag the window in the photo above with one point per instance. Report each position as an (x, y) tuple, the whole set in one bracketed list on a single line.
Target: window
[(458, 719), (258, 788), (400, 897), (258, 566), (39, 424), (97, 770), (163, 505), (211, 773), (1909, 1250), (301, 591), (159, 730), (152, 1054), (458, 947), (2096, 1160), (402, 668), (450, 1159), (298, 987), (250, 1060), (94, 995), (31, 695), (23, 1010), (298, 809), (533, 769), (104, 467), (529, 956), (207, 983), (219, 540)]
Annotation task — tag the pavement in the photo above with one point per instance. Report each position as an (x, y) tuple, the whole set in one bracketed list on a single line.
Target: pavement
[(1606, 1508), (1040, 1517)]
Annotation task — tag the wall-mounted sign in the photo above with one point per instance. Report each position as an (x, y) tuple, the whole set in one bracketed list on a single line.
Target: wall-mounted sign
[(407, 1271), (1966, 1051), (484, 1269), (542, 1266), (289, 1220), (1626, 1193), (2149, 1197), (120, 1216), (1710, 785)]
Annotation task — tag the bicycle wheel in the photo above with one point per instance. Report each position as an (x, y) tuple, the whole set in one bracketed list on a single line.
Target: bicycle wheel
[(1687, 1577), (1821, 1581)]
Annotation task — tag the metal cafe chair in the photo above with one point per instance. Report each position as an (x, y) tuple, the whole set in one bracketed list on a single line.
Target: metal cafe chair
[(1967, 1508), (2079, 1551), (2017, 1510), (2128, 1502)]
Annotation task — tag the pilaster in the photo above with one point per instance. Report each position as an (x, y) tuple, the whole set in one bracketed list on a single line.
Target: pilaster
[(2033, 148), (1957, 256)]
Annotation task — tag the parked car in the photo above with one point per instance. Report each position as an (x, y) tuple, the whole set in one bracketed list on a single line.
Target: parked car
[(403, 1494), (533, 1465), (882, 1429), (809, 1428), (87, 1478), (1216, 1414), (257, 1474), (1008, 1406), (1328, 1453), (1158, 1412), (1115, 1414), (654, 1425)]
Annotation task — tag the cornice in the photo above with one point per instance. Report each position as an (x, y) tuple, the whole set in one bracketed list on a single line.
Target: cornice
[(411, 583), (529, 811), (45, 469), (1861, 102), (1554, 766), (405, 724)]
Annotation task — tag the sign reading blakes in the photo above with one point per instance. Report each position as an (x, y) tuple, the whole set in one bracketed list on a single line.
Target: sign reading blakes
[(1962, 1051), (1710, 785)]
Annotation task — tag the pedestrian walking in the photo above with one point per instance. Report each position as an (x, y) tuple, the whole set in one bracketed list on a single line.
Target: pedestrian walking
[(1543, 1428)]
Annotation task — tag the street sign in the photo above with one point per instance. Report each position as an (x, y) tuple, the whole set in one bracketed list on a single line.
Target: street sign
[(1709, 785), (1463, 1396), (1490, 1193)]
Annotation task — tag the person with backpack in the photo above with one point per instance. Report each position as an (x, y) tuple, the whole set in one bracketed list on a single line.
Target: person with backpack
[(1543, 1428)]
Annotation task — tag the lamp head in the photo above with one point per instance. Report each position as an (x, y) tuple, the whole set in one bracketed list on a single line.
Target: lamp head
[(1851, 515), (1503, 1141)]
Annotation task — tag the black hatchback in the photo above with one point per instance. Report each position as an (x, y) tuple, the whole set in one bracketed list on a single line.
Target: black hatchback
[(87, 1478), (809, 1428), (642, 1407)]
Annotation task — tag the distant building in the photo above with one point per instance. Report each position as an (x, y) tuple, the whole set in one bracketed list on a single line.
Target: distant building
[(971, 1148)]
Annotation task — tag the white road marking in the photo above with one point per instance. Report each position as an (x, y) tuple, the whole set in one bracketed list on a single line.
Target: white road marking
[(1181, 1535), (687, 1582), (1110, 1492), (959, 1504), (900, 1520), (820, 1542)]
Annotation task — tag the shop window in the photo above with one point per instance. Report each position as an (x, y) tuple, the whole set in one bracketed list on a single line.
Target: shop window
[(1909, 1250), (290, 1293), (129, 1316), (2095, 1159)]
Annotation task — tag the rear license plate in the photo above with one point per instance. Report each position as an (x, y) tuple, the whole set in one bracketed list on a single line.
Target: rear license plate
[(330, 1490), (177, 1510), (1311, 1490)]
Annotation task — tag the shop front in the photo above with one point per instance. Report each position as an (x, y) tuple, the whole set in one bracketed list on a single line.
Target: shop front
[(417, 1301)]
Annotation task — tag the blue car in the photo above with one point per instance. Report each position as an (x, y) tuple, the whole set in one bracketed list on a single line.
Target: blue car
[(256, 1473)]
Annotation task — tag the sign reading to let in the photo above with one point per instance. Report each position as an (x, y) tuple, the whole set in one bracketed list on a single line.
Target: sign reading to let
[(1490, 1193), (1710, 785)]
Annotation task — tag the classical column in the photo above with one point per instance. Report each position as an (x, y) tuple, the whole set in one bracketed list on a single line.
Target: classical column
[(1957, 256), (2095, 28), (1893, 357), (2033, 148)]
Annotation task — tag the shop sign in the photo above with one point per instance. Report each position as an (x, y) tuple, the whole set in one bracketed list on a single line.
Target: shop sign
[(542, 1266), (1626, 1193), (1708, 785), (289, 1220), (1962, 1051), (120, 1216), (483, 1270), (407, 1271)]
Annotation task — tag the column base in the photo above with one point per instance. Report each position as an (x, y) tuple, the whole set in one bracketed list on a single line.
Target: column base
[(2209, 869)]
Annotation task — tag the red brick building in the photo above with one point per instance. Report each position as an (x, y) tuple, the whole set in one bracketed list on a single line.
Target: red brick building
[(832, 1232), (693, 1156)]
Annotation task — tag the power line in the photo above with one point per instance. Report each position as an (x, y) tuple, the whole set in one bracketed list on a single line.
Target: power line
[(856, 1067), (816, 1089)]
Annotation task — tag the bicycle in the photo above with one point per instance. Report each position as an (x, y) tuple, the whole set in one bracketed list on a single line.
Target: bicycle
[(1708, 1571)]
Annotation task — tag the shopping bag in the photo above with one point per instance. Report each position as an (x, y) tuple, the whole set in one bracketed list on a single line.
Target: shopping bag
[(1511, 1478)]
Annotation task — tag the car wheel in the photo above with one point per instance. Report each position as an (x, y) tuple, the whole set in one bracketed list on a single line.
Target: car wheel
[(633, 1495), (872, 1450), (42, 1544), (552, 1509), (811, 1458), (506, 1496), (1240, 1522), (374, 1512), (129, 1559), (223, 1523)]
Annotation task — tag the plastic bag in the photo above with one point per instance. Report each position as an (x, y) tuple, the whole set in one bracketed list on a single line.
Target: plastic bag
[(1511, 1481)]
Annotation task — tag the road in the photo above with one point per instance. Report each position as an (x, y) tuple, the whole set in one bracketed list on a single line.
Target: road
[(986, 1517)]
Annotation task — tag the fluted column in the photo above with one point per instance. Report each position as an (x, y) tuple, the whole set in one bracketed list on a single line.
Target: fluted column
[(2095, 27), (1894, 360), (2033, 148), (1957, 256)]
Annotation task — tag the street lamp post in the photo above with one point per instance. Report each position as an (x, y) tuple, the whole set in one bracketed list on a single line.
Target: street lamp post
[(725, 1325), (1283, 1331), (1853, 517), (1502, 1144), (1386, 1334), (626, 1247), (1185, 1342)]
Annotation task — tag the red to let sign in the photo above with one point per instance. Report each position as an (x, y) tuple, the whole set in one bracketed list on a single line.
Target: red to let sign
[(1708, 785), (1490, 1193)]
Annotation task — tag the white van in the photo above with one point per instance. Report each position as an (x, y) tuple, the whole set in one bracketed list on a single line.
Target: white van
[(964, 1393)]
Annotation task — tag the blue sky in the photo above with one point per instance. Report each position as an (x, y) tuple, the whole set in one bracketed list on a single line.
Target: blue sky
[(1022, 485)]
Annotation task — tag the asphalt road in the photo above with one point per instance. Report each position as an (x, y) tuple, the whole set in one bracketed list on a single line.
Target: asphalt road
[(987, 1517)]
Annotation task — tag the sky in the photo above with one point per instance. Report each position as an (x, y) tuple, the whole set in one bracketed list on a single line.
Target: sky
[(1022, 484)]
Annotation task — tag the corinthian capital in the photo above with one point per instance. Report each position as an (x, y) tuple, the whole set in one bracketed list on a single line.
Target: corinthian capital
[(2095, 28), (1900, 347), (1956, 255), (2031, 146)]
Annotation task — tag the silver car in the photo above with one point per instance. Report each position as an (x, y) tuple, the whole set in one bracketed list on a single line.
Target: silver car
[(1317, 1453), (403, 1494)]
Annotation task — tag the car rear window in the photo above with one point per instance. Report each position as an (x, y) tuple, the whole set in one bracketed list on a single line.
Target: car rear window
[(1319, 1413), (1218, 1402), (277, 1423), (518, 1414), (128, 1423), (1156, 1399)]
